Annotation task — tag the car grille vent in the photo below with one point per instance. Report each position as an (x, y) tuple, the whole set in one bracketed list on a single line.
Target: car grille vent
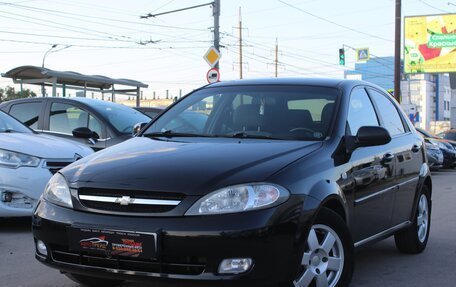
[(187, 267), (129, 201), (55, 166)]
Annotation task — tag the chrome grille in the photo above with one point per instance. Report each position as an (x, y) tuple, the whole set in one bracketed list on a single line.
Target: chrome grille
[(129, 201)]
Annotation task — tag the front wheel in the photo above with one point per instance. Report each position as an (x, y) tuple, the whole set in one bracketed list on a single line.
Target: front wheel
[(93, 281), (414, 238), (328, 257)]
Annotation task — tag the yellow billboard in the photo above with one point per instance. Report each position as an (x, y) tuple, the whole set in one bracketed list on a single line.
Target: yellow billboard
[(430, 44)]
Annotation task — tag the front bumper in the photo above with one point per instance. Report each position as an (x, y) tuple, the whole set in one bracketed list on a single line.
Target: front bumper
[(25, 184), (188, 248)]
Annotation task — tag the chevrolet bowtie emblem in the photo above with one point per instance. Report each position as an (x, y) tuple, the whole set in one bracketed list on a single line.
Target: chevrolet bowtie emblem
[(125, 200)]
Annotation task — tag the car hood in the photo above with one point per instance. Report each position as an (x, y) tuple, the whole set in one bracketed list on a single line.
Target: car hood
[(192, 168), (42, 146)]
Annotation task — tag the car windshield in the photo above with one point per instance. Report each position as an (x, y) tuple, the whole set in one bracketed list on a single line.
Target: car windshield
[(123, 118), (265, 111), (9, 124)]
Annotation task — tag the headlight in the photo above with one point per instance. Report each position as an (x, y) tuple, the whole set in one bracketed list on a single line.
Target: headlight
[(57, 191), (239, 198), (12, 159)]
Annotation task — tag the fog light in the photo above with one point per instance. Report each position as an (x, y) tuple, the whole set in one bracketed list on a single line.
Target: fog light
[(235, 265), (41, 247), (7, 196)]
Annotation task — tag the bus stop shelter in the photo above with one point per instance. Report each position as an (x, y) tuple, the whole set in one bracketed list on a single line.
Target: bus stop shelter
[(72, 80)]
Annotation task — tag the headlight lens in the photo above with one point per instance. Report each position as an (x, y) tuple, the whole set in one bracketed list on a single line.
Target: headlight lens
[(57, 191), (12, 159), (240, 198)]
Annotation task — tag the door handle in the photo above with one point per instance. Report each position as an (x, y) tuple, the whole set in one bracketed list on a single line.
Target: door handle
[(416, 148), (388, 157)]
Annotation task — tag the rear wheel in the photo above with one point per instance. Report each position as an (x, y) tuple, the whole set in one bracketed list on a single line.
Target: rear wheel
[(93, 281), (414, 238), (328, 257)]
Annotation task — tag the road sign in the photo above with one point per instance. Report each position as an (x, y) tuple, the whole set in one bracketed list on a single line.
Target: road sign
[(362, 54), (212, 56), (213, 75)]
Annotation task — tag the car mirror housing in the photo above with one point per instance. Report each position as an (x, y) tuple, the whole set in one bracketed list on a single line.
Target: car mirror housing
[(83, 132), (372, 136), (368, 136), (138, 127)]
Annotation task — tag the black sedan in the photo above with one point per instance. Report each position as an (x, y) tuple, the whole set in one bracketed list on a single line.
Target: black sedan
[(448, 151), (282, 182), (96, 123)]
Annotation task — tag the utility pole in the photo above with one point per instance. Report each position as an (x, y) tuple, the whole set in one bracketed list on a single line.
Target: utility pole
[(240, 44), (216, 14), (276, 62), (397, 52)]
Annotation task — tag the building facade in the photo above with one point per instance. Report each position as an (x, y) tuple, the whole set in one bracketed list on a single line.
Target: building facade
[(378, 70), (426, 98)]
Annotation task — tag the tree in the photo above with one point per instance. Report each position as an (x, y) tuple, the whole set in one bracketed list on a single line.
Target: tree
[(9, 93)]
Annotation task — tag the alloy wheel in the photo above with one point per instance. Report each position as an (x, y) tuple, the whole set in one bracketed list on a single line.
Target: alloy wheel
[(323, 259), (422, 220)]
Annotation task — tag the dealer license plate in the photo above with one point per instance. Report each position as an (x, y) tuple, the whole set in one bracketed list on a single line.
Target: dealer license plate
[(113, 242)]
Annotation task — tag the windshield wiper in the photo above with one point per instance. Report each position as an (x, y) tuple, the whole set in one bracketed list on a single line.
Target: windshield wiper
[(170, 134), (254, 136)]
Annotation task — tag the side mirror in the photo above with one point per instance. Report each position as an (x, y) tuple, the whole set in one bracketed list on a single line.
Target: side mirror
[(368, 136), (372, 136), (83, 132), (138, 127)]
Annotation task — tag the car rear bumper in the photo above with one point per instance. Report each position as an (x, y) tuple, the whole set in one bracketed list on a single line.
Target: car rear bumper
[(188, 248), (25, 185)]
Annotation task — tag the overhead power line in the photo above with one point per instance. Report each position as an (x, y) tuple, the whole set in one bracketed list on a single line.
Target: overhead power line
[(106, 47), (99, 18), (334, 23)]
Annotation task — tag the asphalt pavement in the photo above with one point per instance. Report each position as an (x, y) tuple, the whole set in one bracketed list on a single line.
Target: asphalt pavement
[(379, 265)]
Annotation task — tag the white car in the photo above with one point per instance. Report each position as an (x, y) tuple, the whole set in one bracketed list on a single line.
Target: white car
[(27, 162)]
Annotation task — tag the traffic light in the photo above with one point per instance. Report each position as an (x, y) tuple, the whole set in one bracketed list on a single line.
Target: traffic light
[(342, 57)]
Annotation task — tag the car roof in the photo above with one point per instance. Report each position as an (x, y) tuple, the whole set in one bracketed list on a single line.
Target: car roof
[(88, 101), (324, 82)]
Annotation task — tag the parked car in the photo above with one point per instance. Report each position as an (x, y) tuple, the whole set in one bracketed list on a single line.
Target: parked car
[(285, 178), (439, 137), (98, 124), (448, 151), (27, 162), (450, 136), (434, 155)]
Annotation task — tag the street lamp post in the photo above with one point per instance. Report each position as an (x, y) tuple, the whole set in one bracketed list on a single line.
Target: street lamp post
[(43, 90)]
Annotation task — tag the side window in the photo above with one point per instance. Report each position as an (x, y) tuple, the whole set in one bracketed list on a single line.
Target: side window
[(361, 112), (388, 112), (27, 113), (64, 118)]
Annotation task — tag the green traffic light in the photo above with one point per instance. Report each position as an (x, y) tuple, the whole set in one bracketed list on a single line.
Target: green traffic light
[(342, 57)]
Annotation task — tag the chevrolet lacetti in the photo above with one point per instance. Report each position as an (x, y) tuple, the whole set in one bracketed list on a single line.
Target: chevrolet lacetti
[(276, 186)]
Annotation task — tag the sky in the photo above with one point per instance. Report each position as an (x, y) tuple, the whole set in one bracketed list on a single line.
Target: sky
[(108, 37)]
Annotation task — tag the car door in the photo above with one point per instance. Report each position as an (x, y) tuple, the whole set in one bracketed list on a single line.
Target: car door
[(408, 151), (61, 118), (372, 173)]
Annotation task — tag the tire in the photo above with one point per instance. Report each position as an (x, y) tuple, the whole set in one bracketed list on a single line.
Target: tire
[(413, 239), (323, 266), (93, 281)]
